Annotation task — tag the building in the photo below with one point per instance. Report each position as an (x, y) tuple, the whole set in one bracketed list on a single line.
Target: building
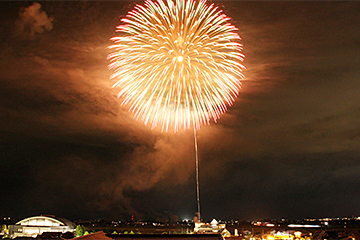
[(34, 226), (94, 236), (212, 228)]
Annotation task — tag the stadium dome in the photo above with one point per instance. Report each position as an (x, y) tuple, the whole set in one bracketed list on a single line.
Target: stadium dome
[(33, 226)]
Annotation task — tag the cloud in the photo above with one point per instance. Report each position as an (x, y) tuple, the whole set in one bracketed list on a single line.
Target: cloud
[(32, 20), (166, 161)]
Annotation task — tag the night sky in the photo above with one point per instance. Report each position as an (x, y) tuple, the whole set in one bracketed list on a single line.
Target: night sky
[(288, 148)]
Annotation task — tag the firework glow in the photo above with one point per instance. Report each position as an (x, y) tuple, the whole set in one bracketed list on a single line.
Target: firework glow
[(176, 64)]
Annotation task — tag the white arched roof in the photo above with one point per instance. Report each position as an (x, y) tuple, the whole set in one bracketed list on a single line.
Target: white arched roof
[(45, 220)]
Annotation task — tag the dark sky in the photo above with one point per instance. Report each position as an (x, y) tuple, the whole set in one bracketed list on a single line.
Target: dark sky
[(288, 148)]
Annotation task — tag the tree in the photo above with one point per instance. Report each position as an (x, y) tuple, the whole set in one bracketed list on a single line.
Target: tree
[(5, 231), (80, 230)]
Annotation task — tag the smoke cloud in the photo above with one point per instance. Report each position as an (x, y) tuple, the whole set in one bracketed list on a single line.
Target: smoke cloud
[(32, 20)]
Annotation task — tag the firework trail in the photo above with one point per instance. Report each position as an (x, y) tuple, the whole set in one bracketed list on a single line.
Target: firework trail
[(177, 64)]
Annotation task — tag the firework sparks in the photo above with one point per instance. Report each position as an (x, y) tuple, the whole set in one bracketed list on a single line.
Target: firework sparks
[(176, 64)]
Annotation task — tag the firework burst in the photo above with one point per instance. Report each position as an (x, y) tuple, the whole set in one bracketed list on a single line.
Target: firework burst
[(177, 64)]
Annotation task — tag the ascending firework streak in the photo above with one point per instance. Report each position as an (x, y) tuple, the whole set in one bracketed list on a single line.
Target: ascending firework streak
[(177, 64)]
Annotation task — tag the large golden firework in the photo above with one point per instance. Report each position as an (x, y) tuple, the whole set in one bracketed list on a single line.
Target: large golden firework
[(177, 64)]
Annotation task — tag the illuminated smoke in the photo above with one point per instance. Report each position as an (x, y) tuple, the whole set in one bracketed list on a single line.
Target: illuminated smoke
[(32, 20)]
